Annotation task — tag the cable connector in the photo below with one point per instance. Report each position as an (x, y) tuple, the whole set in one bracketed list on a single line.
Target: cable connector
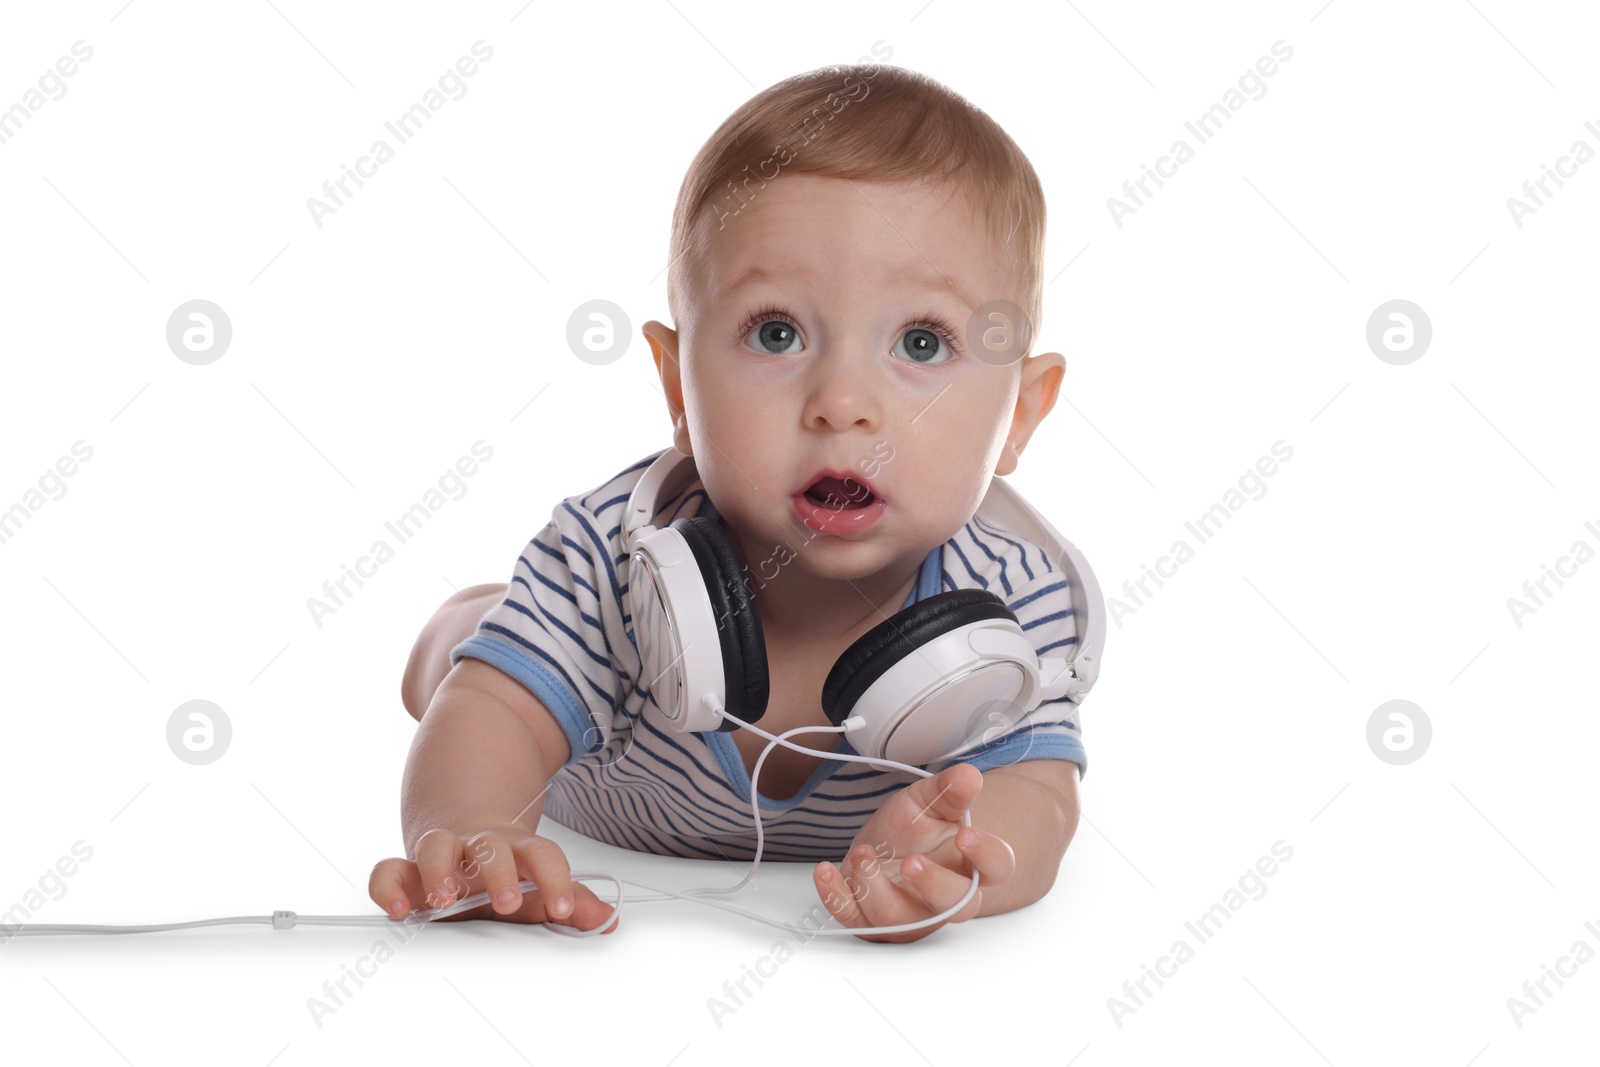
[(283, 920)]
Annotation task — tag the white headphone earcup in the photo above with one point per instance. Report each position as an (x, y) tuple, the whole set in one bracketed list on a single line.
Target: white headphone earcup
[(692, 627), (658, 597), (948, 673)]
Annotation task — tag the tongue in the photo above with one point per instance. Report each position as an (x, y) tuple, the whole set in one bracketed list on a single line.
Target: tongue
[(844, 496)]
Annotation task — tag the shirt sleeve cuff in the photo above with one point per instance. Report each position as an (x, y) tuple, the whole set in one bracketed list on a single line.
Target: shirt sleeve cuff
[(538, 680), (1025, 745)]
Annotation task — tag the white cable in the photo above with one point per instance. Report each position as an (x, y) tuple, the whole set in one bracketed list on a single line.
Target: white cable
[(283, 920)]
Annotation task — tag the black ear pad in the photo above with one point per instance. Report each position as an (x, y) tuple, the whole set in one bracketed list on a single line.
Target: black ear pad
[(887, 643), (744, 650)]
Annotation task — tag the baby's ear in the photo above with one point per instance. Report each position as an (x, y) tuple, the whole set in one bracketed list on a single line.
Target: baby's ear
[(664, 351), (1042, 376), (1036, 395), (663, 340)]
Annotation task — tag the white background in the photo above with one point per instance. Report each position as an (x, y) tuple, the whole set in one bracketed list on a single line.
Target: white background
[(1226, 314)]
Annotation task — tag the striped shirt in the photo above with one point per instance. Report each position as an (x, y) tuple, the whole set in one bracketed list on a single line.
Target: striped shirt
[(564, 632)]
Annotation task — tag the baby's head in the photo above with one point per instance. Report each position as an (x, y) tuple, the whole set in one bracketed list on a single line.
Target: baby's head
[(855, 279)]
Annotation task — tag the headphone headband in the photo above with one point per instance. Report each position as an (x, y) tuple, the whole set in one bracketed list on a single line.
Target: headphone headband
[(1006, 508), (668, 476)]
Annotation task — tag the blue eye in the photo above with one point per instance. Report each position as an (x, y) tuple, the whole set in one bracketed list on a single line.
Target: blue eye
[(775, 337), (920, 345)]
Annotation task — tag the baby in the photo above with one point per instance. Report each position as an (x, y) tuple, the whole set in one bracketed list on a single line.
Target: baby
[(856, 271)]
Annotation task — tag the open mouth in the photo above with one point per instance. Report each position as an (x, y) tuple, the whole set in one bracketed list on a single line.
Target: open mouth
[(840, 494)]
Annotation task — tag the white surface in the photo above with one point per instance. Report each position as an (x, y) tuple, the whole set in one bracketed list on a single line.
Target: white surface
[(1227, 314)]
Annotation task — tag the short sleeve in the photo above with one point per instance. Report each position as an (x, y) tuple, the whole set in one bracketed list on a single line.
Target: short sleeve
[(556, 628), (1043, 608)]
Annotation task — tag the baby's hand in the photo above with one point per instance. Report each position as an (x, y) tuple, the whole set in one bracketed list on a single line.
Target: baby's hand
[(451, 867), (913, 859)]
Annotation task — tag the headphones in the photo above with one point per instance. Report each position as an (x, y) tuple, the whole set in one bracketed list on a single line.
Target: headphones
[(944, 675)]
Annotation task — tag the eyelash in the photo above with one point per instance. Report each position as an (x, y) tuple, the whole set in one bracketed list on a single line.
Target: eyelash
[(929, 321)]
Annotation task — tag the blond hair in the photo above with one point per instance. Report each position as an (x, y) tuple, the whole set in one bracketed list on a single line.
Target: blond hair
[(866, 122)]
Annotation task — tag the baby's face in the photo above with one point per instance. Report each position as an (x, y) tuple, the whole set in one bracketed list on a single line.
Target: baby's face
[(817, 333)]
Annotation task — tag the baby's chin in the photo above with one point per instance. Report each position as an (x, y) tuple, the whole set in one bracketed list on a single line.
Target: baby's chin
[(768, 555)]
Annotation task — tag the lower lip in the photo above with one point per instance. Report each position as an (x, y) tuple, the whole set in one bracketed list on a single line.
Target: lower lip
[(823, 519)]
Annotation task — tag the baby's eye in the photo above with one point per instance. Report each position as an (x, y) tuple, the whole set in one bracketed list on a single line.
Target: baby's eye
[(921, 345), (775, 337)]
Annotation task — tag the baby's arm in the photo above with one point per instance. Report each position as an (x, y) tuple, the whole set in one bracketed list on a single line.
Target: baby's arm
[(471, 798), (1034, 806), (483, 755)]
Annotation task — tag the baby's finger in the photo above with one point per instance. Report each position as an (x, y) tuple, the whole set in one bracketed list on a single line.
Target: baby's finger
[(878, 901), (439, 867), (883, 900), (939, 888), (548, 869), (589, 911), (494, 860), (837, 896), (993, 856), (947, 794), (395, 886)]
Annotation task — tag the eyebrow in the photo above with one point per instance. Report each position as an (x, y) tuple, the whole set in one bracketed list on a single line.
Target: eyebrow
[(939, 284)]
